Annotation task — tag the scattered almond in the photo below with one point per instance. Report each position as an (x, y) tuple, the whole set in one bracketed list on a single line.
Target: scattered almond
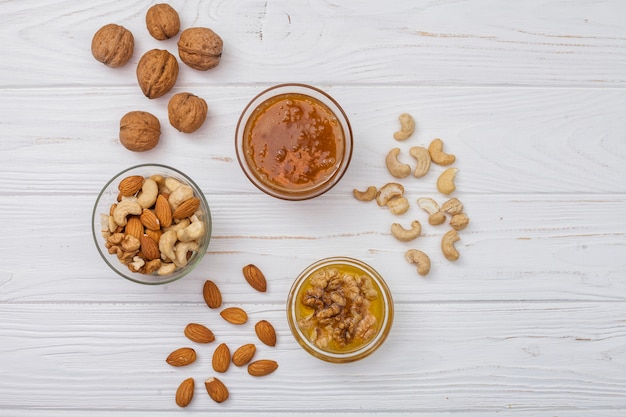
[(187, 208), (199, 333), (255, 277), (221, 358), (212, 295), (130, 185), (244, 354), (149, 248), (262, 367), (150, 220), (234, 315), (216, 390), (265, 332), (181, 357), (163, 211), (184, 393)]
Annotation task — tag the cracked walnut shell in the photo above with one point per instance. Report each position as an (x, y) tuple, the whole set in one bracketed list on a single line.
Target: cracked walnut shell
[(113, 45), (139, 131), (200, 48), (186, 112), (162, 21), (157, 72)]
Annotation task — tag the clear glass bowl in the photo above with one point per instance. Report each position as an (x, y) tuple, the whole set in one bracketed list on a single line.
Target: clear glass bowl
[(294, 141), (314, 320), (109, 196)]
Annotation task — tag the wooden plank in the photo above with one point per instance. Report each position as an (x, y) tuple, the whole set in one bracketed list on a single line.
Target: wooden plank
[(543, 357), (538, 42)]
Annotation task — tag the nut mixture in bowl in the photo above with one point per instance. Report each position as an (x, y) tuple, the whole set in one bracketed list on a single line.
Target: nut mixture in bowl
[(151, 224), (340, 309)]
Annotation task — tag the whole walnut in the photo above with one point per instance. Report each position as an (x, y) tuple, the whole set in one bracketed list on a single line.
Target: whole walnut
[(113, 45), (162, 21), (200, 48), (139, 131), (186, 112), (157, 72)]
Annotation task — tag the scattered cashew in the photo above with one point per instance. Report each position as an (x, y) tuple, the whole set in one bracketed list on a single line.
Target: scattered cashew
[(447, 245), (438, 156), (398, 205), (395, 167), (192, 232), (459, 221), (125, 208), (422, 157), (367, 195), (445, 182), (181, 250), (166, 244), (389, 191), (452, 206), (407, 127), (406, 235), (419, 258), (430, 206), (148, 194), (180, 194)]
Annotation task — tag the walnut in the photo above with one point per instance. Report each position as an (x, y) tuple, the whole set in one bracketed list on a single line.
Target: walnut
[(200, 48), (186, 112), (139, 131), (113, 45), (157, 72), (162, 21)]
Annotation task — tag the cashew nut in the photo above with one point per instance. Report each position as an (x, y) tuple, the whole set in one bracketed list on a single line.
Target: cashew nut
[(406, 235), (180, 194), (367, 195), (149, 192), (452, 206), (178, 226), (459, 221), (430, 206), (166, 268), (445, 182), (192, 232), (172, 184), (166, 245), (407, 127), (181, 251), (125, 208), (438, 156), (422, 157), (419, 258), (395, 167), (398, 205), (388, 192), (447, 245)]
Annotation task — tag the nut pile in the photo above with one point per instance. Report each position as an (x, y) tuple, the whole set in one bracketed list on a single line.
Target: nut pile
[(222, 357), (155, 226), (392, 195), (157, 72)]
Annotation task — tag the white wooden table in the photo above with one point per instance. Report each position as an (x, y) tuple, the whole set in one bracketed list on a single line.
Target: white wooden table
[(529, 95)]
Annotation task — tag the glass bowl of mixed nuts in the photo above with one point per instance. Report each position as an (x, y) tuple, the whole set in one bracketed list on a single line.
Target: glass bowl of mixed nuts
[(340, 309), (151, 223)]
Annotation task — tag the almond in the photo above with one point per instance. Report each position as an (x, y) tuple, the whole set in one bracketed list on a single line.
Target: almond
[(244, 354), (216, 389), (212, 295), (234, 315), (184, 393), (149, 248), (262, 367), (187, 208), (154, 234), (221, 358), (181, 356), (130, 185), (134, 227), (266, 333), (163, 211), (255, 277), (199, 333), (150, 220)]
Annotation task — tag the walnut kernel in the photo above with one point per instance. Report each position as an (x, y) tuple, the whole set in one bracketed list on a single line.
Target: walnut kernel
[(186, 112), (113, 45), (157, 72), (200, 48), (139, 131), (162, 21)]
